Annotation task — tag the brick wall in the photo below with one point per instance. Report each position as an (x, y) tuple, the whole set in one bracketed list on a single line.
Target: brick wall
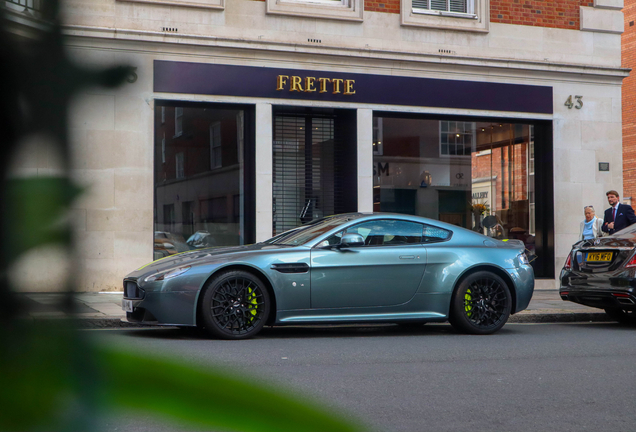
[(388, 6), (628, 60), (556, 13)]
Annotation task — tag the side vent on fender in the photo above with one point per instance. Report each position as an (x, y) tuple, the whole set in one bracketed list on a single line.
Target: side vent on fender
[(291, 268)]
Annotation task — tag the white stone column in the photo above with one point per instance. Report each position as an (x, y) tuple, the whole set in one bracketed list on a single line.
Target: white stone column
[(365, 160), (263, 189)]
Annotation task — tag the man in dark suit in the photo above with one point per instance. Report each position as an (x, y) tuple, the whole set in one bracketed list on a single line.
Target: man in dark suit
[(618, 216)]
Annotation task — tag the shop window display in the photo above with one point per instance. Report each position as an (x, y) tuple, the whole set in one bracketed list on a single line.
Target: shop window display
[(477, 175)]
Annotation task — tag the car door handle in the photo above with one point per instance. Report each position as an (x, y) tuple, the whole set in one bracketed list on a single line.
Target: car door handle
[(407, 256)]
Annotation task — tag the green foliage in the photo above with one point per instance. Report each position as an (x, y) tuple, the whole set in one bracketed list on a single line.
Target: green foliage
[(59, 381), (34, 210), (210, 398)]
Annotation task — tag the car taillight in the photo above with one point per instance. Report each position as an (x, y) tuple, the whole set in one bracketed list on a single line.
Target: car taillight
[(631, 263), (568, 262)]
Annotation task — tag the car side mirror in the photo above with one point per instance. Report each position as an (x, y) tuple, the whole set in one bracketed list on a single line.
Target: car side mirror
[(351, 240)]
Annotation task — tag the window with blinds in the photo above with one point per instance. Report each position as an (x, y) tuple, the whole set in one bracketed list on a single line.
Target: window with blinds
[(311, 175), (441, 6)]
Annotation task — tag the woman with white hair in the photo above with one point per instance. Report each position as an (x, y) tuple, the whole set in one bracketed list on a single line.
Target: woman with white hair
[(591, 226)]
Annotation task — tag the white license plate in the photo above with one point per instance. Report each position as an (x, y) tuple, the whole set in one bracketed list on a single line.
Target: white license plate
[(127, 305)]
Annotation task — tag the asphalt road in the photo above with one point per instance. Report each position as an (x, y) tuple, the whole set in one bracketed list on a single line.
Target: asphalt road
[(528, 377)]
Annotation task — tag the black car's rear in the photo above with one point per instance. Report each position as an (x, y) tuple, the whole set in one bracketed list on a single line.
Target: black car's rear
[(601, 273)]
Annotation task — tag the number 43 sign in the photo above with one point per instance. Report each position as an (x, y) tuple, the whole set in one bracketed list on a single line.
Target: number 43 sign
[(578, 104)]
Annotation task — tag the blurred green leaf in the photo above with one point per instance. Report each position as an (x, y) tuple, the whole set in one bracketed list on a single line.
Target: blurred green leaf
[(33, 210), (40, 363), (209, 398)]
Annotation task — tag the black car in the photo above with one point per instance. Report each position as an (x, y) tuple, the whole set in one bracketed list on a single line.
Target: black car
[(601, 273)]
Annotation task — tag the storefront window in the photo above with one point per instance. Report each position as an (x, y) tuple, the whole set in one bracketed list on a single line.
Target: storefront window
[(313, 155), (477, 175), (199, 178)]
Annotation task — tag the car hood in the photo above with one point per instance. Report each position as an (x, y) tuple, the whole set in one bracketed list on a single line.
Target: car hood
[(204, 256)]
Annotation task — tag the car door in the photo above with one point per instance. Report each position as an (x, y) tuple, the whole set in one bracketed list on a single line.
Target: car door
[(386, 271)]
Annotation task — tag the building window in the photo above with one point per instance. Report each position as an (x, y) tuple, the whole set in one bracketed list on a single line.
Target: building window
[(351, 10), (180, 162), (456, 138), (163, 148), (178, 121), (469, 15), (215, 145), (163, 115), (458, 8), (377, 136), (207, 4)]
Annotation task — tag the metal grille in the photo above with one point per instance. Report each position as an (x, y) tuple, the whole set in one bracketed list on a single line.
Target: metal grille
[(306, 183)]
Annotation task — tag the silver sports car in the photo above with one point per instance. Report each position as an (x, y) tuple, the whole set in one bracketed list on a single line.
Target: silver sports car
[(349, 268)]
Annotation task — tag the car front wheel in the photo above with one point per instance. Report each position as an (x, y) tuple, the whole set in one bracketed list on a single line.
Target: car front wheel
[(235, 305), (481, 304)]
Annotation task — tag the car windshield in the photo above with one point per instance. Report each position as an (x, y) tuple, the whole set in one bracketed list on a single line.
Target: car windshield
[(310, 231)]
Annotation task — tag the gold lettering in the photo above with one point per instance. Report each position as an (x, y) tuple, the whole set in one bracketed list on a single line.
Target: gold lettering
[(309, 84), (336, 85), (323, 84), (281, 81), (349, 87), (296, 84)]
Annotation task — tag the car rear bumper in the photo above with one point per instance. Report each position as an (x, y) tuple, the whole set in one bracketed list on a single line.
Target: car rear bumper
[(616, 291), (600, 299)]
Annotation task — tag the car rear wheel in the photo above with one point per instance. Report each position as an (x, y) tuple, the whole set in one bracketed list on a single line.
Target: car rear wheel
[(235, 305), (621, 315), (481, 304)]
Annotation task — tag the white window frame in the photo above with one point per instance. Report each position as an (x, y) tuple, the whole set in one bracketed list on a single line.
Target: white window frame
[(470, 6), (215, 146), (477, 19), (178, 121), (208, 4), (472, 134), (163, 148), (180, 165), (350, 10)]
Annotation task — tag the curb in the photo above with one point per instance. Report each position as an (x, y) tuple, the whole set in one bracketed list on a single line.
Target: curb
[(102, 323), (561, 318)]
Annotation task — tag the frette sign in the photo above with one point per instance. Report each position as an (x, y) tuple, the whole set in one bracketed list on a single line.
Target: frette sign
[(312, 84)]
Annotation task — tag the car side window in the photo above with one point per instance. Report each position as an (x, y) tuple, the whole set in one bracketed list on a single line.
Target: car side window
[(388, 232), (433, 234)]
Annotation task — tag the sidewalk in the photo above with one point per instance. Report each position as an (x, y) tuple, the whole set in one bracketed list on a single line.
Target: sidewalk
[(103, 310)]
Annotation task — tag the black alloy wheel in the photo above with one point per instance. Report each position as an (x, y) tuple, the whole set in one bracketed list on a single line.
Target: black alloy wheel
[(481, 304), (235, 305), (622, 316)]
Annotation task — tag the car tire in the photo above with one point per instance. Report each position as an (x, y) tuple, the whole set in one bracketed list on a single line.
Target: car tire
[(621, 315), (235, 305), (481, 304)]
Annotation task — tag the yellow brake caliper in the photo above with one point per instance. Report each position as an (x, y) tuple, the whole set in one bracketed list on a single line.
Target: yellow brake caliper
[(252, 299), (467, 303)]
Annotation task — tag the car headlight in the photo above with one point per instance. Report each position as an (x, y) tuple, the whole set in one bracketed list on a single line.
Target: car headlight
[(523, 258), (167, 274)]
